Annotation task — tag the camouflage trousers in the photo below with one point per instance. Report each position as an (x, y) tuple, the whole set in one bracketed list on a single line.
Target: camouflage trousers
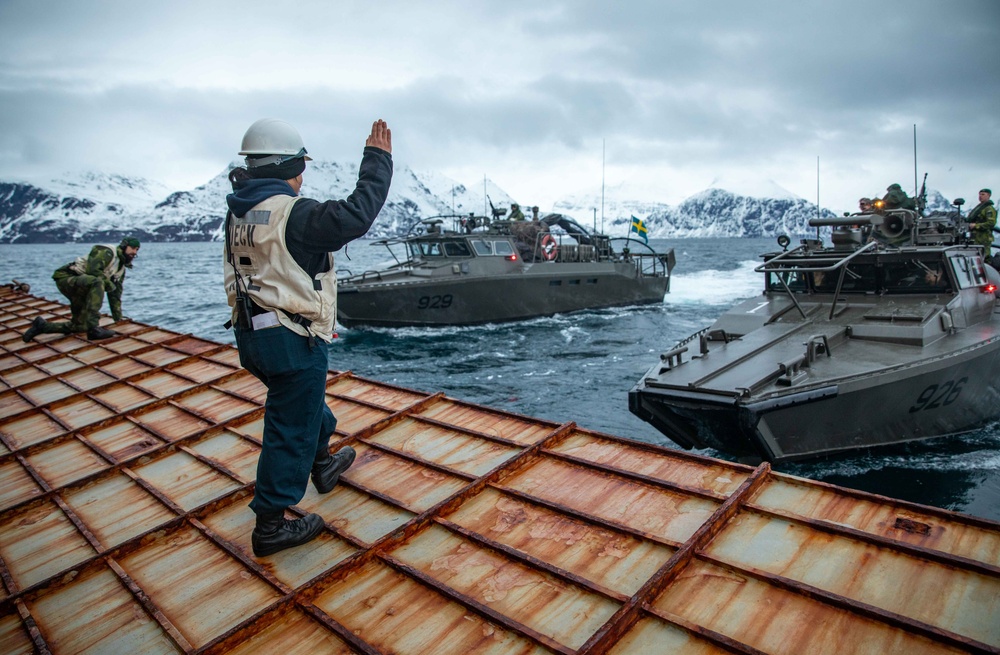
[(86, 295)]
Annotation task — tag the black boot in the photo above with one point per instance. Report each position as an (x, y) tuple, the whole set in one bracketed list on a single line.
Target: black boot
[(98, 332), (274, 532), (37, 326), (326, 474)]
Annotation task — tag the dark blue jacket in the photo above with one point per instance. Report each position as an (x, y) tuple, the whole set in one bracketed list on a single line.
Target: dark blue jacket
[(317, 228)]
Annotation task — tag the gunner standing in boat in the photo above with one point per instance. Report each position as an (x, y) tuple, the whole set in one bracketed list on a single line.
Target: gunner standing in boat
[(84, 281), (282, 285)]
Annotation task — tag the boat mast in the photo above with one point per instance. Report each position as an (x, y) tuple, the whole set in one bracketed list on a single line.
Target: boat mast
[(602, 184)]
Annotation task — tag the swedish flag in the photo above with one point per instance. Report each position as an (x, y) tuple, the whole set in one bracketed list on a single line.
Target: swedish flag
[(640, 229)]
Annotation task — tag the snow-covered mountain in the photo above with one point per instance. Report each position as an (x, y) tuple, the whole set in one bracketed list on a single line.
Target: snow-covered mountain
[(96, 207)]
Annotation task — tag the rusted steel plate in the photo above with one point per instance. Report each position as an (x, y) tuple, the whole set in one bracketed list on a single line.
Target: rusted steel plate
[(609, 558), (293, 634), (65, 462), (94, 354), (292, 567), (78, 412), (155, 336), (159, 356), (38, 542), (171, 422), (88, 378), (163, 384), (122, 439), (115, 509), (186, 481), (123, 367), (59, 365), (126, 345), (354, 513), (12, 403), (23, 375), (495, 424), (200, 589), (354, 417), (125, 527), (562, 611), (123, 397), (14, 639), (214, 405), (413, 486), (653, 635), (777, 621), (384, 396), (663, 513), (397, 614), (449, 448), (28, 429), (16, 484), (41, 394), (202, 370), (245, 386), (711, 476), (960, 601), (237, 454), (96, 614), (898, 521)]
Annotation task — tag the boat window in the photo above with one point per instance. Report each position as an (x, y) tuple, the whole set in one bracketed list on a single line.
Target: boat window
[(457, 249), (430, 248), (795, 280), (503, 248), (914, 276), (483, 247)]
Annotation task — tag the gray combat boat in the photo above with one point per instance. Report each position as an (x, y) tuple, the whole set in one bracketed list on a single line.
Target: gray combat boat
[(889, 335), (490, 271)]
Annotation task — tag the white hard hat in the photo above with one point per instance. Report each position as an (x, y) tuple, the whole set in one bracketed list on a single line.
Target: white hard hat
[(271, 136)]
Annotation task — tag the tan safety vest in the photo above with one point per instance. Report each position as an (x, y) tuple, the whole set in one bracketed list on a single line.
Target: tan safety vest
[(115, 270), (272, 277)]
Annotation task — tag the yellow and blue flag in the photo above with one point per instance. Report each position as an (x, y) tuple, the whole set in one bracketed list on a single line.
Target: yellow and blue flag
[(640, 229)]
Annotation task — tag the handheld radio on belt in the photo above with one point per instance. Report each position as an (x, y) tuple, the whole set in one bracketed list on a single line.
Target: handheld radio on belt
[(244, 305)]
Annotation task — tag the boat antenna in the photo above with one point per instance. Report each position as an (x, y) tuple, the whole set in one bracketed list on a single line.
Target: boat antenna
[(603, 150), (916, 191), (817, 194), (484, 195)]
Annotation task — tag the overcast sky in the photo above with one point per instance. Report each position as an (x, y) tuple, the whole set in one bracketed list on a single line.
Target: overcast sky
[(661, 99)]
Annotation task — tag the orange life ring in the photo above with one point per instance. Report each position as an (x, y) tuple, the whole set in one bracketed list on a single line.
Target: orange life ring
[(550, 249)]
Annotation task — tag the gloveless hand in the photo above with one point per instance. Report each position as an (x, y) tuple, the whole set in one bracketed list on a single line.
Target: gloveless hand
[(381, 136)]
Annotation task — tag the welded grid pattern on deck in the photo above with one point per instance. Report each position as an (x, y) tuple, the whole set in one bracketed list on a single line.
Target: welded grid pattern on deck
[(126, 466)]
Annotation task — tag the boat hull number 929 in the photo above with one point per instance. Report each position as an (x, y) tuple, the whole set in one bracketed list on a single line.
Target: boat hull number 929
[(939, 395), (434, 302)]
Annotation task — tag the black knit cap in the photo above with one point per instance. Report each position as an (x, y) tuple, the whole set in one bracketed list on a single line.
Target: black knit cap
[(286, 170), (129, 241)]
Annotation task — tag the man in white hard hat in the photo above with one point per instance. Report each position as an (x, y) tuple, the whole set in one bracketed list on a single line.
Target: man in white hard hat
[(282, 286)]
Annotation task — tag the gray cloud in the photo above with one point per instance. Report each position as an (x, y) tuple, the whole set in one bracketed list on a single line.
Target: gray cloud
[(527, 94)]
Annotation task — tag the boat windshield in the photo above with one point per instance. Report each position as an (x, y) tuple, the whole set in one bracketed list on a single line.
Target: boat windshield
[(493, 247), (894, 277)]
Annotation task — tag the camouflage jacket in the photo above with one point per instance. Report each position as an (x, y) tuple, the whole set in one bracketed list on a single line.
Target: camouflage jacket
[(984, 215)]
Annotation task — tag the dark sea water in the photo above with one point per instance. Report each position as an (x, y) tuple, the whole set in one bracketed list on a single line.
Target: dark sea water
[(576, 367)]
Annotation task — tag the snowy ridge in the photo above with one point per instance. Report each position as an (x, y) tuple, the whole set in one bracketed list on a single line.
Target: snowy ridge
[(98, 207)]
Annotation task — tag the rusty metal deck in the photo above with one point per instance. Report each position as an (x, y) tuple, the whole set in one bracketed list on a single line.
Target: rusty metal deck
[(126, 467)]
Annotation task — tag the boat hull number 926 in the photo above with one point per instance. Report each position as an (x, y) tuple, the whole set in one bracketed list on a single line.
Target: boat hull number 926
[(434, 302), (939, 395)]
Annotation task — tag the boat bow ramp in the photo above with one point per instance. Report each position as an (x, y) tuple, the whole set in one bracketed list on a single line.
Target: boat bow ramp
[(126, 466)]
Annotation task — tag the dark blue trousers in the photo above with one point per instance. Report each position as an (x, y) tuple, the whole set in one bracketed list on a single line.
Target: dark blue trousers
[(297, 421)]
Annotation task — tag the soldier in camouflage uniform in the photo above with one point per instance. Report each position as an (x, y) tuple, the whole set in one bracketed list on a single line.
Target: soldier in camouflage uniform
[(84, 282), (982, 219), (896, 198)]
